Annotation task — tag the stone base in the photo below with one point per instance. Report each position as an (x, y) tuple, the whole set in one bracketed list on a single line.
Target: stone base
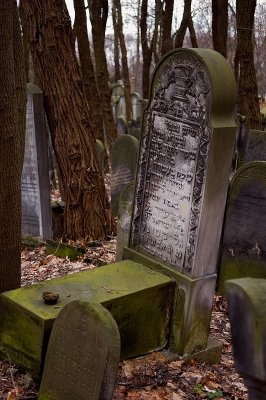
[(140, 300), (211, 355)]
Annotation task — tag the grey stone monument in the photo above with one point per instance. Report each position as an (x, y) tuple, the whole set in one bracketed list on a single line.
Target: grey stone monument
[(247, 315), (35, 185), (124, 159), (256, 146), (136, 102), (243, 249), (83, 354), (188, 136)]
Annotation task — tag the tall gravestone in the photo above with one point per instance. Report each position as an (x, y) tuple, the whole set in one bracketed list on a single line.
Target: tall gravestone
[(243, 249), (247, 314), (124, 159), (136, 102), (83, 354), (35, 185), (185, 157)]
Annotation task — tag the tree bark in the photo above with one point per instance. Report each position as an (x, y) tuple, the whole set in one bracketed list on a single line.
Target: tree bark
[(167, 42), (247, 87), (25, 41), (98, 16), (12, 137), (127, 89), (220, 25), (87, 70), (87, 209)]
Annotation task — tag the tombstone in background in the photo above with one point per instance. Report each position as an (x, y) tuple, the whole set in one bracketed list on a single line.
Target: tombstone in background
[(83, 354), (243, 249), (121, 125), (117, 92), (247, 314), (124, 219), (35, 185), (256, 146), (121, 111), (185, 157), (124, 159), (241, 142), (136, 102)]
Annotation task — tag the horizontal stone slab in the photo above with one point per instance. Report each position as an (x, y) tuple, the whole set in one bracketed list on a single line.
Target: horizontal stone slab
[(139, 299)]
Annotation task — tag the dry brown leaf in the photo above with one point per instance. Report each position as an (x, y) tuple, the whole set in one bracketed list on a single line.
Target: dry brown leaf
[(46, 260)]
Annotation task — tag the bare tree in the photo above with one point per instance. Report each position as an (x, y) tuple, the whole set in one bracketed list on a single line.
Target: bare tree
[(186, 23), (167, 42), (220, 25)]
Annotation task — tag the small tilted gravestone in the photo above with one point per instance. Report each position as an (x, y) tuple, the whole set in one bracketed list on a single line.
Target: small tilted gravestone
[(124, 159), (243, 248), (247, 314), (35, 185), (83, 354)]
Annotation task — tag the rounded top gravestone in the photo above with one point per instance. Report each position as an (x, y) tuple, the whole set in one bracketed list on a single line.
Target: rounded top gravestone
[(83, 354), (188, 135)]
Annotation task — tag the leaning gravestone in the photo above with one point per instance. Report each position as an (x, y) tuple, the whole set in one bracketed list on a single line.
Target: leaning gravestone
[(247, 315), (124, 159), (35, 186), (83, 354), (243, 249), (186, 150)]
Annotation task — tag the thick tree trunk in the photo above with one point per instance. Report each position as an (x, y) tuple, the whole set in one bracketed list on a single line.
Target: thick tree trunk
[(127, 89), (87, 209), (98, 16), (167, 42), (87, 70), (12, 136), (146, 50), (26, 40), (247, 86), (220, 25)]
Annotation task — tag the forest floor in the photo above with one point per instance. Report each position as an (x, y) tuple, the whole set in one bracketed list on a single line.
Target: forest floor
[(151, 377)]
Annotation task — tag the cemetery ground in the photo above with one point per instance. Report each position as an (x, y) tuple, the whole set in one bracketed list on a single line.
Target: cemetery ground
[(151, 377)]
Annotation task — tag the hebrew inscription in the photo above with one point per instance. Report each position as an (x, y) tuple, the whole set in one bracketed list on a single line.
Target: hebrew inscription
[(173, 162)]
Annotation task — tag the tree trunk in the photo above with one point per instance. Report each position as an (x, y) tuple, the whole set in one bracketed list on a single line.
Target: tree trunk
[(26, 39), (98, 16), (87, 70), (12, 137), (87, 210), (127, 89), (146, 50), (186, 23), (167, 42), (247, 87), (220, 25), (116, 46), (157, 23)]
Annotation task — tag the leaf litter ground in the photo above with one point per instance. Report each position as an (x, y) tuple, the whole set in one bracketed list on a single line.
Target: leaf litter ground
[(151, 377)]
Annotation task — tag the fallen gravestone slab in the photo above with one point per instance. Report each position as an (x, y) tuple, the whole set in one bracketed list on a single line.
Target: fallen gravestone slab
[(247, 314), (83, 354), (243, 248)]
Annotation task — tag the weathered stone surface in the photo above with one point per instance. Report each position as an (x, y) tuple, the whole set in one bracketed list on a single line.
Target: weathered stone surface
[(256, 146), (243, 250), (124, 159), (124, 219), (121, 125), (247, 314), (187, 142), (136, 102), (83, 354), (35, 185), (133, 294)]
